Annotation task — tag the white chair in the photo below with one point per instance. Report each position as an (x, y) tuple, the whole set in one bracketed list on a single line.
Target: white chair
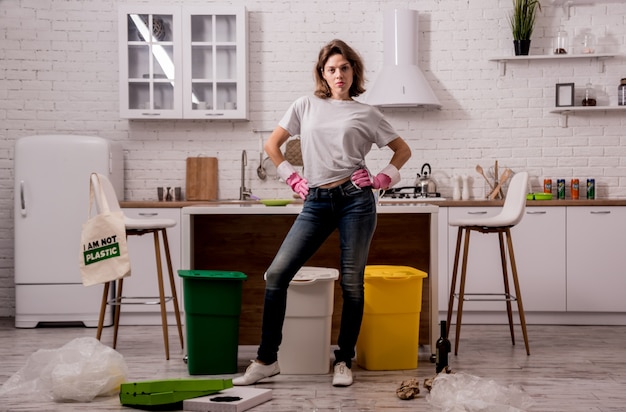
[(138, 227), (510, 215)]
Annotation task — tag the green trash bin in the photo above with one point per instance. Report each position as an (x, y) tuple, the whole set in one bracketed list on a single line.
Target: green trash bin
[(212, 309)]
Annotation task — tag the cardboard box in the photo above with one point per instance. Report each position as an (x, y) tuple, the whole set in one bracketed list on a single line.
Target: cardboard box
[(248, 398)]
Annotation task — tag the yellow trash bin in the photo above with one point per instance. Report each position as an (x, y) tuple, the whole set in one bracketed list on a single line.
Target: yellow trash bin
[(389, 336)]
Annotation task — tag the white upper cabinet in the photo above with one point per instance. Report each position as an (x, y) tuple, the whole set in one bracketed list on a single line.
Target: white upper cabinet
[(215, 63), (181, 62)]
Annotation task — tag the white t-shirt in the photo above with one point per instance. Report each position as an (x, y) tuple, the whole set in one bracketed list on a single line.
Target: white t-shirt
[(336, 135)]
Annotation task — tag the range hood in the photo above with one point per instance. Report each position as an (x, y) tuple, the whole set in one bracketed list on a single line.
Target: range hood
[(400, 83)]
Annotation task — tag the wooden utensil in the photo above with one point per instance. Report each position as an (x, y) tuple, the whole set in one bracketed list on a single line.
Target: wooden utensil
[(495, 178), (481, 172), (505, 176)]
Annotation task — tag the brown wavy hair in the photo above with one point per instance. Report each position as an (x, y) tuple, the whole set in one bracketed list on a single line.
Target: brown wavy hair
[(337, 46)]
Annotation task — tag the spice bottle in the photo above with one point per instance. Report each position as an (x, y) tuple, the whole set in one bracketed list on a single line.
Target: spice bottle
[(621, 93), (590, 96)]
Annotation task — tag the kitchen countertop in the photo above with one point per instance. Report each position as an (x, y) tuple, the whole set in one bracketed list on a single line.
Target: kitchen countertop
[(442, 203)]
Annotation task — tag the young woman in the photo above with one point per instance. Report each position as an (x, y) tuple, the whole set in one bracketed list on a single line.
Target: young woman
[(336, 134)]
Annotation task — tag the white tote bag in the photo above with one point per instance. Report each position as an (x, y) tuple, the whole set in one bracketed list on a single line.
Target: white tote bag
[(103, 249)]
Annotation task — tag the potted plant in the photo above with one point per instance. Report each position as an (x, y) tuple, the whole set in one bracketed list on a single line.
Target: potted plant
[(522, 21)]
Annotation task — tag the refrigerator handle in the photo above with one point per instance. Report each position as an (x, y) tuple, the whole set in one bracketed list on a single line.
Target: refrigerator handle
[(22, 200)]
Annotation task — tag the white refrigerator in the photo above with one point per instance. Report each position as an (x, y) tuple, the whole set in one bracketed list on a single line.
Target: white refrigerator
[(51, 204)]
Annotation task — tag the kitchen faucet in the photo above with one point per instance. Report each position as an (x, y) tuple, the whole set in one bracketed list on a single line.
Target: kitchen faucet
[(244, 193)]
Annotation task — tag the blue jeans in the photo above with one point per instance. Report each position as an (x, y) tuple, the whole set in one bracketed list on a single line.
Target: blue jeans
[(352, 211)]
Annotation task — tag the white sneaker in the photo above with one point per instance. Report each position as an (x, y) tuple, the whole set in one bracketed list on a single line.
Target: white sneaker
[(255, 372), (343, 375)]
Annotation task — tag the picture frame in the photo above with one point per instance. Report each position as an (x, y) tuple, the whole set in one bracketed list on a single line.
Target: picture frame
[(564, 94)]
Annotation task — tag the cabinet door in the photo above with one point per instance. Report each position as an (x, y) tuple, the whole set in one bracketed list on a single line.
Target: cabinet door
[(539, 246), (150, 62), (484, 271), (596, 259), (142, 281), (215, 61)]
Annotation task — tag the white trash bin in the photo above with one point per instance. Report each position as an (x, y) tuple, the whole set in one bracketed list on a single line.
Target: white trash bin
[(305, 349)]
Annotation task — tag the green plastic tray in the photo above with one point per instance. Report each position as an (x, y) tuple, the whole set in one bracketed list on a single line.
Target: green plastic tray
[(169, 391), (539, 196)]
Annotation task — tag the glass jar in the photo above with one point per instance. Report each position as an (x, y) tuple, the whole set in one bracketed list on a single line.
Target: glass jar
[(588, 44), (590, 96), (560, 42), (621, 93)]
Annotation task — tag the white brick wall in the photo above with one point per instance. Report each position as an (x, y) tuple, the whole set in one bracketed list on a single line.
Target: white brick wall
[(58, 65)]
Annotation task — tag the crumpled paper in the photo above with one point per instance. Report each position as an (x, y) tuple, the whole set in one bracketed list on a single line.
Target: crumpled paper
[(461, 392), (78, 371)]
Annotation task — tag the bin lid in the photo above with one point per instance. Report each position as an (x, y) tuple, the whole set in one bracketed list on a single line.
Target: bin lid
[(308, 273), (212, 274), (397, 272)]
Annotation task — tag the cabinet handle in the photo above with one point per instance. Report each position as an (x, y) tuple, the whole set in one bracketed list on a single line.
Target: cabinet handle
[(22, 199), (151, 114), (148, 214), (600, 212), (536, 212), (482, 212)]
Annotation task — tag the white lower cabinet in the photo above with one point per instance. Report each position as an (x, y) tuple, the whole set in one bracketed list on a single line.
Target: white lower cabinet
[(143, 279), (539, 247), (596, 259), (571, 264)]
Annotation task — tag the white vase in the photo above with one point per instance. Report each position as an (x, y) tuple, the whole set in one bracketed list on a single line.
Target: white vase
[(465, 193), (456, 187)]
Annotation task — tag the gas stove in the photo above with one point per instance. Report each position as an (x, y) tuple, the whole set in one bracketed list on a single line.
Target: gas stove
[(409, 193)]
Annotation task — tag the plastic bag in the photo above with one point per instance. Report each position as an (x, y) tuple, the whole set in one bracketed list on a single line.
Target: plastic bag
[(457, 392), (78, 371)]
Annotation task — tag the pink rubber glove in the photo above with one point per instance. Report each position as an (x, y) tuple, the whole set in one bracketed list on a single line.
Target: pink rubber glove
[(298, 184), (381, 181), (362, 179)]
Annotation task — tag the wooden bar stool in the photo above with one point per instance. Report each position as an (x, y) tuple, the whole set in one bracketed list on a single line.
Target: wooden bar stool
[(139, 227), (501, 224)]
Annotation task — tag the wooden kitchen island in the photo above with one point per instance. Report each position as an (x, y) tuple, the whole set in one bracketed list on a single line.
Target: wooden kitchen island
[(246, 237)]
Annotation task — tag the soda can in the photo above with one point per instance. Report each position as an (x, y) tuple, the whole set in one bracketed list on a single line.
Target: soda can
[(591, 188), (547, 185), (575, 189), (560, 188)]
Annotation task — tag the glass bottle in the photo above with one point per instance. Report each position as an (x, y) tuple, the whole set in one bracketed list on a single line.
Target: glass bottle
[(443, 348), (621, 92), (590, 96), (560, 42)]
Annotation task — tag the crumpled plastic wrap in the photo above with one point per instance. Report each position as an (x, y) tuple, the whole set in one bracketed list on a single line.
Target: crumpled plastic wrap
[(78, 371), (461, 392)]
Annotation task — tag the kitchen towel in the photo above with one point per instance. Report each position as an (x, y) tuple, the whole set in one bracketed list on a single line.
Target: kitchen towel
[(103, 250)]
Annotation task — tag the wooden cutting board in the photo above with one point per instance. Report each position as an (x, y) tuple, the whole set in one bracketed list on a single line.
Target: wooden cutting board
[(201, 178)]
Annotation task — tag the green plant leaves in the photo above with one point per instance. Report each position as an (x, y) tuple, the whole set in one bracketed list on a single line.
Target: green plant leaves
[(522, 18)]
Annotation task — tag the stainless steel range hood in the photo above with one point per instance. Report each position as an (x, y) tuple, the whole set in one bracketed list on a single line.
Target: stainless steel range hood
[(400, 83)]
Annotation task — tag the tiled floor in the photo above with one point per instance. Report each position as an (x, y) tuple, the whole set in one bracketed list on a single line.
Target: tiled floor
[(571, 368)]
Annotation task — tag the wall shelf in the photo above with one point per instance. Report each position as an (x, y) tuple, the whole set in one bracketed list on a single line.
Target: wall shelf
[(565, 112), (599, 57)]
